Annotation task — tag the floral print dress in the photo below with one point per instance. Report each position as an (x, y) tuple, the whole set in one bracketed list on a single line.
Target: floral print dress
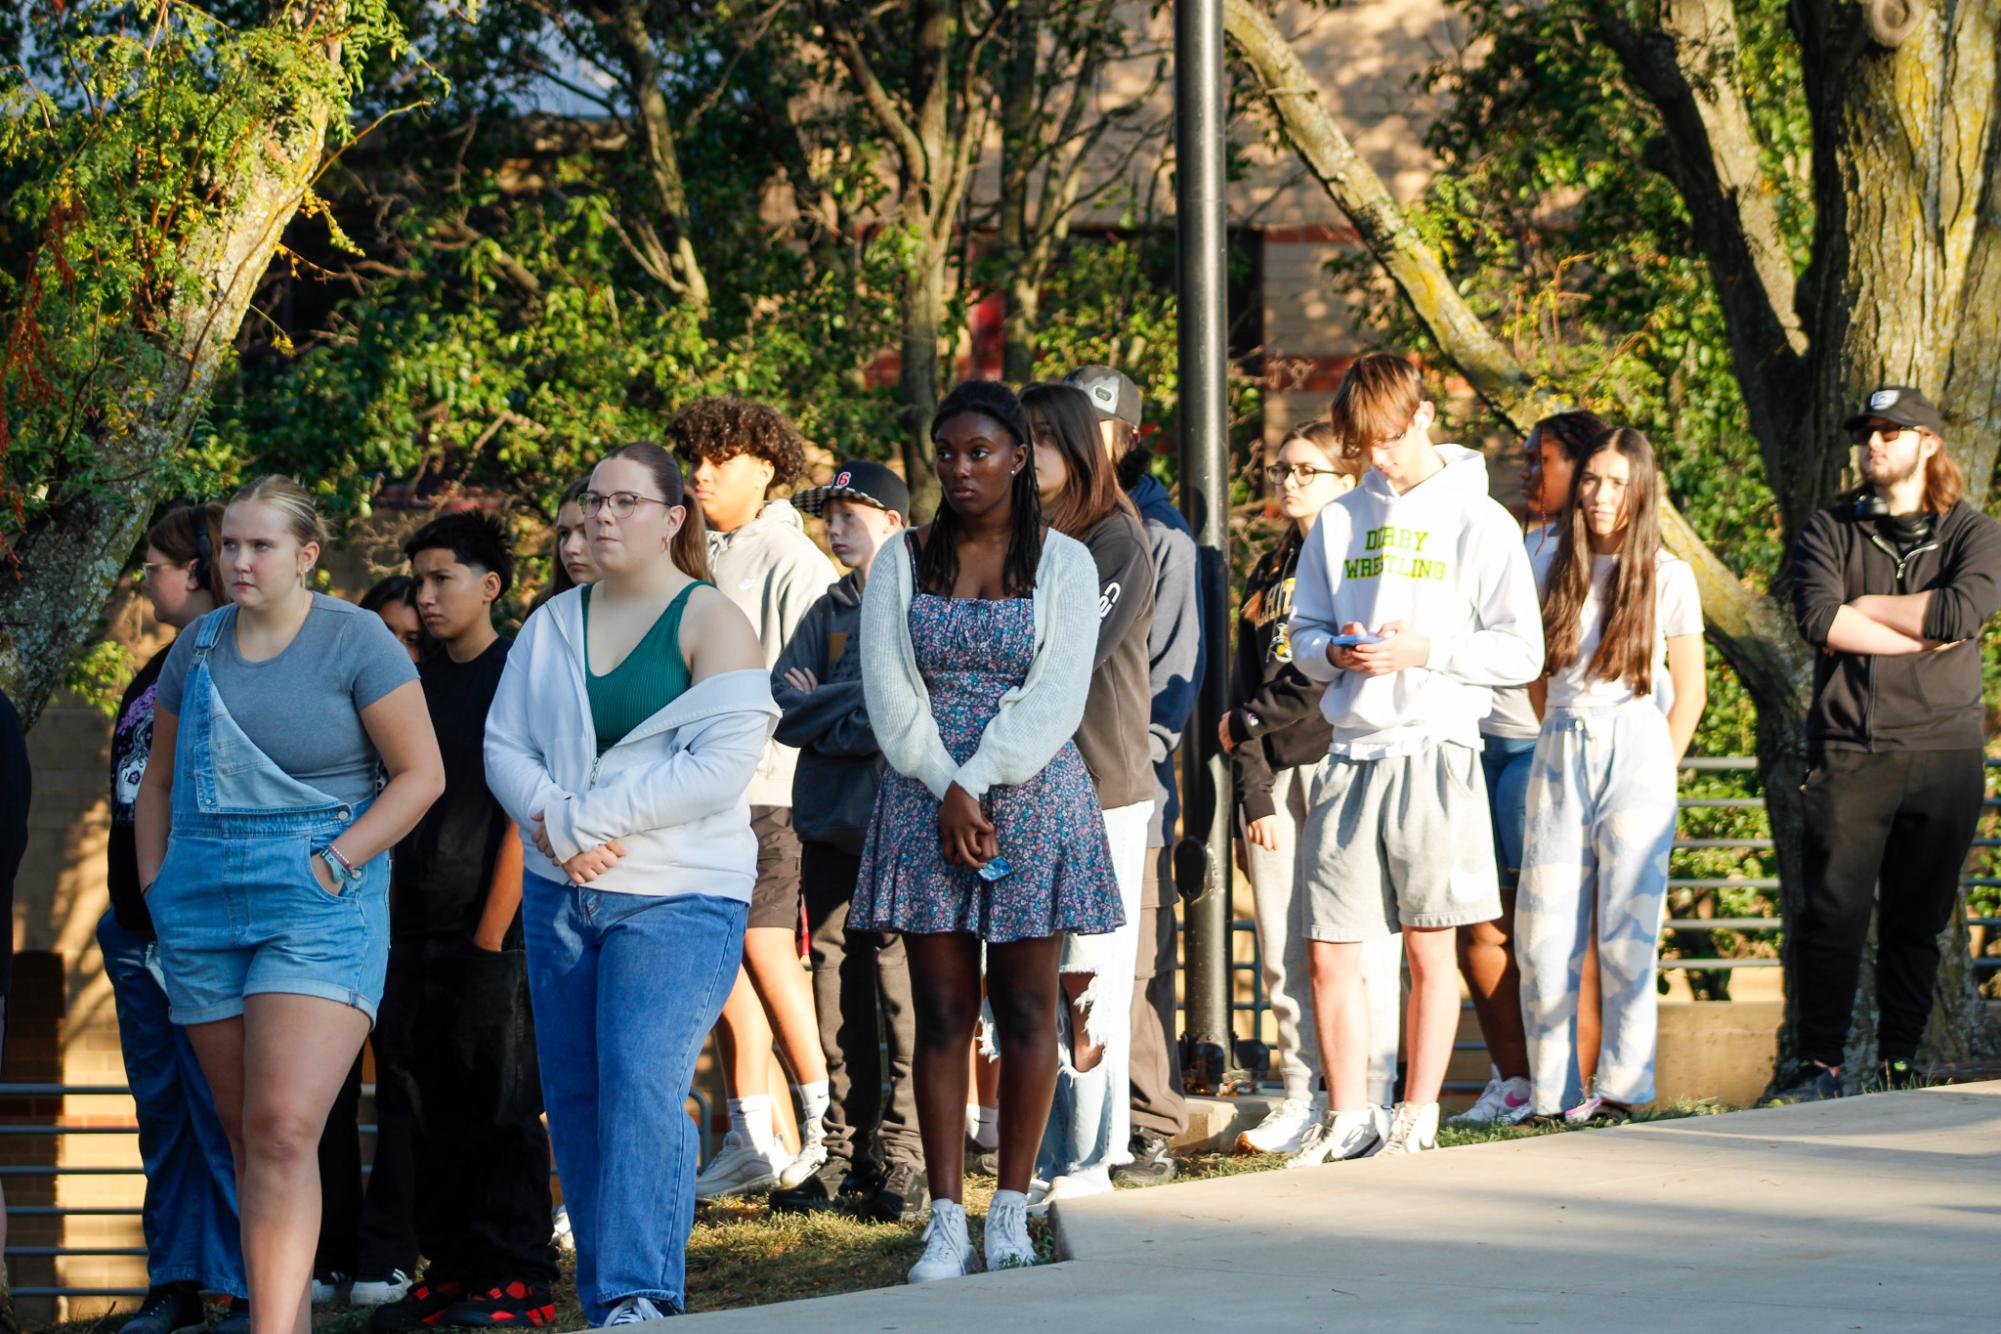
[(971, 651)]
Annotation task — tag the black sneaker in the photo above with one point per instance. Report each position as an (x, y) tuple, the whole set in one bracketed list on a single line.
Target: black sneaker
[(1894, 1076), (903, 1197), (420, 1307), (1817, 1083), (982, 1162), (1152, 1164), (507, 1304), (174, 1308), (820, 1191)]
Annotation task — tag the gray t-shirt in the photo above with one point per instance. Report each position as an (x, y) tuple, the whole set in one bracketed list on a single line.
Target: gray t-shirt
[(303, 707)]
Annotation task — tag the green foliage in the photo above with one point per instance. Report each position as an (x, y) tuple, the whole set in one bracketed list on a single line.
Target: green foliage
[(126, 141)]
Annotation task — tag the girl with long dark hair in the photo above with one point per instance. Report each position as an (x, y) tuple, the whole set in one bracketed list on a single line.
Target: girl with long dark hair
[(1624, 689), (622, 739), (978, 631), (1551, 455), (570, 561), (1091, 1117)]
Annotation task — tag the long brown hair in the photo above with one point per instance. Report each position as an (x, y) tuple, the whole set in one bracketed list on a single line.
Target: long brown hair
[(690, 546), (1626, 619), (1945, 483), (192, 534), (1092, 491), (559, 573)]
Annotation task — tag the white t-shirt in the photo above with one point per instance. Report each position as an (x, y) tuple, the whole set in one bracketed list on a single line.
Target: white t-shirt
[(1513, 717), (1677, 611)]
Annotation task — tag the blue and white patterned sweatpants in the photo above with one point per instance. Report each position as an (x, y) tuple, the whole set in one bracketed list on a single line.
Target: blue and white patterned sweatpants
[(1601, 813)]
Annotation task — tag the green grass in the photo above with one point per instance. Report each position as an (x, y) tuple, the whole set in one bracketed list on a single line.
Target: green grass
[(742, 1254)]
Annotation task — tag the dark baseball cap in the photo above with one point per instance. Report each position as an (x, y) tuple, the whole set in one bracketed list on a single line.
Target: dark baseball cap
[(858, 479), (1900, 404), (1111, 392)]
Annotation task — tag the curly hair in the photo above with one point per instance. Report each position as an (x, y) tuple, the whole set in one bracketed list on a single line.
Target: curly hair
[(720, 428)]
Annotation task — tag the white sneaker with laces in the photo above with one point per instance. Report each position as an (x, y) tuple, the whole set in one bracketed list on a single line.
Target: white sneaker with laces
[(948, 1251), (1337, 1137), (738, 1169), (379, 1291), (1284, 1128), (1414, 1129), (812, 1157), (633, 1311), (1504, 1102), (1008, 1246), (327, 1291)]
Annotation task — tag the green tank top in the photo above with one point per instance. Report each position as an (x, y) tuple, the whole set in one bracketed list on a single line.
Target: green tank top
[(652, 676)]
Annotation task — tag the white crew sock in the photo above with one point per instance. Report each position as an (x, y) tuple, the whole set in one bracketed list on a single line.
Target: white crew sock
[(750, 1118), (983, 1126), (814, 1100)]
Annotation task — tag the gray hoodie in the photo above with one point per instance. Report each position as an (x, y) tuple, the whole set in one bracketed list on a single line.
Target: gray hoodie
[(837, 750), (771, 569)]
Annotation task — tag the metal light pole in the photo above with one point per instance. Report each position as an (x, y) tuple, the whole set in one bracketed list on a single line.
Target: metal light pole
[(1202, 858)]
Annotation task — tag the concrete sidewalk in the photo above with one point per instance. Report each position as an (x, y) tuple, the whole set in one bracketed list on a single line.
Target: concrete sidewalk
[(1876, 1213)]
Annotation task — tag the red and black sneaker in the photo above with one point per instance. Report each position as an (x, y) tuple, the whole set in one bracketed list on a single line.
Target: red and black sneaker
[(420, 1307), (507, 1304)]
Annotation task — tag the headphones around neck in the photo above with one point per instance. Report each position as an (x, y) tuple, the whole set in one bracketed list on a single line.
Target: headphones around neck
[(1904, 528)]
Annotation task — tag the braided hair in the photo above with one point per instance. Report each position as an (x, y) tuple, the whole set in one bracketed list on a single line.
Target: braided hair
[(938, 562)]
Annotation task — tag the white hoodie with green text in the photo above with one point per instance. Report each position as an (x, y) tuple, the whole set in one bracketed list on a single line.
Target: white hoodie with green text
[(1446, 560)]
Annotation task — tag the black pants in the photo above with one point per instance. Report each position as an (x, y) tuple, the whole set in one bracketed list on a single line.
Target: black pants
[(1901, 821), (456, 1079), (1157, 1101), (861, 989), (341, 1186)]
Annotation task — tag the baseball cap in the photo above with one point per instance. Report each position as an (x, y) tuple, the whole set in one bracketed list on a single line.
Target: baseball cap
[(1111, 391), (858, 479), (1900, 404)]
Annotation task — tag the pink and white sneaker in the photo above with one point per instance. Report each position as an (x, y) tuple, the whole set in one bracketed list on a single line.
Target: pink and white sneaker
[(1582, 1113), (1504, 1102)]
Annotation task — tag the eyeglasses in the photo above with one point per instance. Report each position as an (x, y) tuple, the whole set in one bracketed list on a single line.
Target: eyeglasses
[(622, 503), (148, 567), (1302, 473)]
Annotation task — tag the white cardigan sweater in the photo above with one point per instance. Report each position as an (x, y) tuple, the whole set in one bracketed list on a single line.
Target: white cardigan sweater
[(1034, 719), (672, 791)]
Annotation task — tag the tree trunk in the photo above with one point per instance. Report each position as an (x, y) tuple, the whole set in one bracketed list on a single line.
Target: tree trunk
[(70, 556), (1017, 124), (923, 310)]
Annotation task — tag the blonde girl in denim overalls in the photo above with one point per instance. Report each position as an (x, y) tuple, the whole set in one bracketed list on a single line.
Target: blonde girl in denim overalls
[(270, 895)]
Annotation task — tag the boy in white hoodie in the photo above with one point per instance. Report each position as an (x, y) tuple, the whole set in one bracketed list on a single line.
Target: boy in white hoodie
[(1412, 599)]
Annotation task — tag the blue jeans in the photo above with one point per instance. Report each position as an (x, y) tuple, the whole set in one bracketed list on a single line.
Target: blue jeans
[(192, 1233), (1507, 763), (625, 989)]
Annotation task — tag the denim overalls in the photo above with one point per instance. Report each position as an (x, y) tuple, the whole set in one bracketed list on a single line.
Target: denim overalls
[(237, 906)]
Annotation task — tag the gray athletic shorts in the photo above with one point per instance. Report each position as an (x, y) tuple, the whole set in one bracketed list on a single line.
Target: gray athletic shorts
[(1402, 841)]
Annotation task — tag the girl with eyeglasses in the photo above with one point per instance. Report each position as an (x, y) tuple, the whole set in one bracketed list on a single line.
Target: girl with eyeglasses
[(622, 739), (1275, 735)]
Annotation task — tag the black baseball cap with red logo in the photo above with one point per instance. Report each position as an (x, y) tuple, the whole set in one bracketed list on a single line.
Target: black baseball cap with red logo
[(859, 479)]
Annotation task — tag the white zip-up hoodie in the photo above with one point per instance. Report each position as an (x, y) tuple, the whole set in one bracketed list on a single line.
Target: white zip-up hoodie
[(672, 791), (1446, 560)]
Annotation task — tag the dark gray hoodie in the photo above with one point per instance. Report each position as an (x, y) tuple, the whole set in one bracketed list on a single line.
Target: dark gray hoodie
[(834, 785)]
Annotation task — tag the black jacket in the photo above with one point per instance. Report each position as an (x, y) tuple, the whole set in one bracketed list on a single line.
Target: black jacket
[(1918, 701), (1275, 713), (1113, 736), (833, 789)]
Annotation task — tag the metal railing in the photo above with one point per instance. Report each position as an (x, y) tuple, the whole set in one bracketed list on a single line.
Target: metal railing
[(1259, 1004)]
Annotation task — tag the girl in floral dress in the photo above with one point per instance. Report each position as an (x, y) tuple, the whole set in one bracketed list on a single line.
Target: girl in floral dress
[(977, 643)]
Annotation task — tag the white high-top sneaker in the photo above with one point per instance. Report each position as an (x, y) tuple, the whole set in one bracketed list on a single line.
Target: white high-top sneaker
[(1008, 1246), (948, 1250)]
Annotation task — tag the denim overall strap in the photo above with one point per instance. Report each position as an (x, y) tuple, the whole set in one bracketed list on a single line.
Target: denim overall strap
[(230, 774)]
